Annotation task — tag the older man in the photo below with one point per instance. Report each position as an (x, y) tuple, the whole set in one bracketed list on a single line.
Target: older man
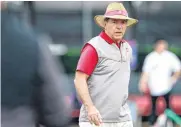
[(103, 72)]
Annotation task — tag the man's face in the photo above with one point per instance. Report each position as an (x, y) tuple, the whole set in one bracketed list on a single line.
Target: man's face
[(115, 28), (161, 46)]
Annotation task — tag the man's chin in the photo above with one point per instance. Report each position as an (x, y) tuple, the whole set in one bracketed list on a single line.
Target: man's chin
[(118, 38)]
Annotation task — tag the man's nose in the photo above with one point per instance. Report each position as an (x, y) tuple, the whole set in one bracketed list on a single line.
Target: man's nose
[(119, 26)]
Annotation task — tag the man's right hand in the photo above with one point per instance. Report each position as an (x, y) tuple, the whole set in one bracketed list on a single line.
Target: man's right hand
[(143, 88), (94, 115)]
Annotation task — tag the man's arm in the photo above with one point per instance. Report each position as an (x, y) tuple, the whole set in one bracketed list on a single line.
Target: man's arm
[(82, 88), (175, 77), (86, 65), (143, 82), (147, 65), (176, 64)]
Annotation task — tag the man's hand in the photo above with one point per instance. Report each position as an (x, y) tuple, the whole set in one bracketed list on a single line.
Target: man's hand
[(143, 88), (94, 115)]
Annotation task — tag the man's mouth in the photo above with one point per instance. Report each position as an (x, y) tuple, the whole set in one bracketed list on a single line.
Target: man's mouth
[(118, 32)]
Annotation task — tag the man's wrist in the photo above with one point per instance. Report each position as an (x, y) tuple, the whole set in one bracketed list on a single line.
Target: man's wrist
[(88, 105)]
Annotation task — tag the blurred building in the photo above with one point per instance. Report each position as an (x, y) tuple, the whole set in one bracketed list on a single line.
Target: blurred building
[(72, 22)]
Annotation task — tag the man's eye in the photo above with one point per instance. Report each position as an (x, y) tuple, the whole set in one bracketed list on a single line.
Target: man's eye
[(124, 22)]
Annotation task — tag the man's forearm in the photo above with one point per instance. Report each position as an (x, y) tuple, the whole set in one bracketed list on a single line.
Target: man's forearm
[(82, 90), (144, 78), (176, 76)]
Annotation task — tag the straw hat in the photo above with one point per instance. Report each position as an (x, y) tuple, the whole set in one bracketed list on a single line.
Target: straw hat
[(116, 11)]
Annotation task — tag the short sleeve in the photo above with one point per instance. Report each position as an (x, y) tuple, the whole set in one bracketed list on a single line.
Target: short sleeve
[(88, 60), (176, 64)]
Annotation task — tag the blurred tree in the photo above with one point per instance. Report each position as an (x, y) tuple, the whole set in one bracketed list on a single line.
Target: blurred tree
[(133, 13)]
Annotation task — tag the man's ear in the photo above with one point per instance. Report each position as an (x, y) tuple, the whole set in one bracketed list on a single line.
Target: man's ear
[(105, 23)]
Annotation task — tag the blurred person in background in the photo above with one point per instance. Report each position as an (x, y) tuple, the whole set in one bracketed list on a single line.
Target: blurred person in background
[(103, 72), (31, 89), (161, 71)]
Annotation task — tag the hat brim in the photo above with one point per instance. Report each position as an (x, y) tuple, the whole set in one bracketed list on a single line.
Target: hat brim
[(99, 19)]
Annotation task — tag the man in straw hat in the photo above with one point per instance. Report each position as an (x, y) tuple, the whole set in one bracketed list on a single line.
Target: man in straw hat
[(103, 72)]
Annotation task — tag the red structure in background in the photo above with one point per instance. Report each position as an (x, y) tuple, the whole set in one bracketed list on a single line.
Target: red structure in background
[(144, 104)]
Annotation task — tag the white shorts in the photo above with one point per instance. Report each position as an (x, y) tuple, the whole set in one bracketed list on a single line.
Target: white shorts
[(122, 124)]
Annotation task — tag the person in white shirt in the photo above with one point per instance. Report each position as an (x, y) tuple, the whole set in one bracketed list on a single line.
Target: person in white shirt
[(161, 70)]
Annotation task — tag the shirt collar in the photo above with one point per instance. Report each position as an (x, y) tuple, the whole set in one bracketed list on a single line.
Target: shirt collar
[(107, 38)]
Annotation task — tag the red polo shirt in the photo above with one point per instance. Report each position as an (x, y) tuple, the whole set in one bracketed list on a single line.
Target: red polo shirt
[(89, 58)]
